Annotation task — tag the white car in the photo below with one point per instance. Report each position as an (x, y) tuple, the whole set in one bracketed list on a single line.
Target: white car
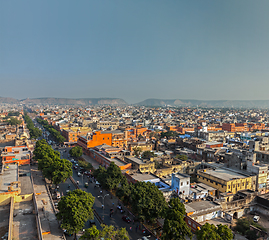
[(256, 218), (79, 174)]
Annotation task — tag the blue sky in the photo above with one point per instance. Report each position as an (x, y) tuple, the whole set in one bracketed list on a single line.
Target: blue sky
[(135, 50)]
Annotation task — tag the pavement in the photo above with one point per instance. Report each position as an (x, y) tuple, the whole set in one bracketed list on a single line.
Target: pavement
[(49, 223)]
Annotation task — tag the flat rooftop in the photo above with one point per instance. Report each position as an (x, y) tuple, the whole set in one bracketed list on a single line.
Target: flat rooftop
[(10, 174), (224, 174), (143, 177), (200, 206), (136, 160)]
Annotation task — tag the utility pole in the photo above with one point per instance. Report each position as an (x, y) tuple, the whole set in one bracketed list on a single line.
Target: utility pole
[(103, 204)]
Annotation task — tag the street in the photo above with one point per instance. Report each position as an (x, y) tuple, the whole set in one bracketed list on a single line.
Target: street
[(102, 197)]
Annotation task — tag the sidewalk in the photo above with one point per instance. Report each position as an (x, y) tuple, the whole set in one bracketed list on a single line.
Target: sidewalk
[(88, 159), (49, 223)]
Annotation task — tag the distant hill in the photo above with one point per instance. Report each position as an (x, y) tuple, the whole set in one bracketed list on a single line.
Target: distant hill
[(8, 100), (66, 101), (206, 103), (70, 101)]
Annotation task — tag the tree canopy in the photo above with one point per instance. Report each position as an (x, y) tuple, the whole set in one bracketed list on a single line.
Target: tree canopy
[(147, 201), (211, 232), (57, 135), (49, 162), (14, 121), (137, 151), (174, 225), (75, 209), (148, 155), (76, 151), (34, 132), (108, 232), (109, 178)]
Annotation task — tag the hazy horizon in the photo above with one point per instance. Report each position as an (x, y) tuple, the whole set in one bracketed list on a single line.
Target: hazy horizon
[(204, 50)]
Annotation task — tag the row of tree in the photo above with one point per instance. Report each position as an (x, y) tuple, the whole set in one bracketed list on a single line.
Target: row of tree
[(56, 135), (147, 201), (54, 168), (34, 132)]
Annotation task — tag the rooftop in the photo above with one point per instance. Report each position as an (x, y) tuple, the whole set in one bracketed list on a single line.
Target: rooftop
[(10, 174), (223, 174)]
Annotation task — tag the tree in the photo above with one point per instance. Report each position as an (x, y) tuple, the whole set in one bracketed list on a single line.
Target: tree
[(148, 155), (14, 121), (108, 232), (124, 191), (137, 151), (62, 170), (147, 201), (109, 178), (182, 157), (211, 232), (76, 152), (75, 209), (174, 225)]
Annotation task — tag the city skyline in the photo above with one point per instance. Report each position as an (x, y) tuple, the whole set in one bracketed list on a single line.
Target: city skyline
[(135, 50)]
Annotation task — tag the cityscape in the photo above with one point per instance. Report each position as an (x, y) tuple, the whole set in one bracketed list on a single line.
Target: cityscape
[(134, 120)]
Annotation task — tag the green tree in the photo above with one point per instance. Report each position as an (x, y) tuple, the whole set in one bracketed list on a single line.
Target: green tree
[(137, 151), (76, 152), (74, 210), (108, 232), (109, 178), (10, 114), (14, 121), (147, 201), (211, 232), (148, 155), (124, 191), (182, 157), (175, 228), (62, 170)]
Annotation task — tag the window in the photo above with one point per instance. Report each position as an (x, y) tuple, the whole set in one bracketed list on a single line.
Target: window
[(181, 184), (187, 182), (103, 138)]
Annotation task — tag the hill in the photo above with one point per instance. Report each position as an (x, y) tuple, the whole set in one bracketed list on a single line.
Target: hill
[(65, 101), (206, 103)]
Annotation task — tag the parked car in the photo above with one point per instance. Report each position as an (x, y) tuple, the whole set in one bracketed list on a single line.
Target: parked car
[(92, 222), (79, 174), (126, 219), (256, 218), (75, 167)]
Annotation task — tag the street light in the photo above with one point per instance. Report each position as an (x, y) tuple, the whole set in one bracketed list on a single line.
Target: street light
[(103, 204)]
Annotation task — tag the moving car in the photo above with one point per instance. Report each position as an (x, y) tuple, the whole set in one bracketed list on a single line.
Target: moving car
[(126, 219)]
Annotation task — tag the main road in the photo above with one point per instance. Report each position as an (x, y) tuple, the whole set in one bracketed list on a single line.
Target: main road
[(102, 197)]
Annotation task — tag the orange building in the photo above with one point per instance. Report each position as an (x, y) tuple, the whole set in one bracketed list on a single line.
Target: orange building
[(183, 130), (18, 154), (93, 139), (235, 127)]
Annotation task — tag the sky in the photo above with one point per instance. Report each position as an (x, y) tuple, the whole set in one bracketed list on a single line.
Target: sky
[(135, 50)]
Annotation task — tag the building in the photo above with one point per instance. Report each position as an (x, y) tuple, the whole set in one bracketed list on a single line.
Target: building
[(225, 180), (181, 184), (94, 139), (144, 166), (18, 154)]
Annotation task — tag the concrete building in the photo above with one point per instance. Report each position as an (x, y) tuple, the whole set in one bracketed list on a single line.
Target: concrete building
[(226, 180), (181, 184)]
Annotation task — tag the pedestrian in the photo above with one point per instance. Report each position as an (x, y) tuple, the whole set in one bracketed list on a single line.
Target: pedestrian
[(136, 228), (130, 228)]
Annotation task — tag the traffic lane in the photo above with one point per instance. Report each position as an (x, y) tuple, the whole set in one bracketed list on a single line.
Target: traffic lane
[(63, 187), (116, 219)]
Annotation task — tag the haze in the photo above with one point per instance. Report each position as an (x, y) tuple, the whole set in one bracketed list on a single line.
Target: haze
[(212, 50)]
